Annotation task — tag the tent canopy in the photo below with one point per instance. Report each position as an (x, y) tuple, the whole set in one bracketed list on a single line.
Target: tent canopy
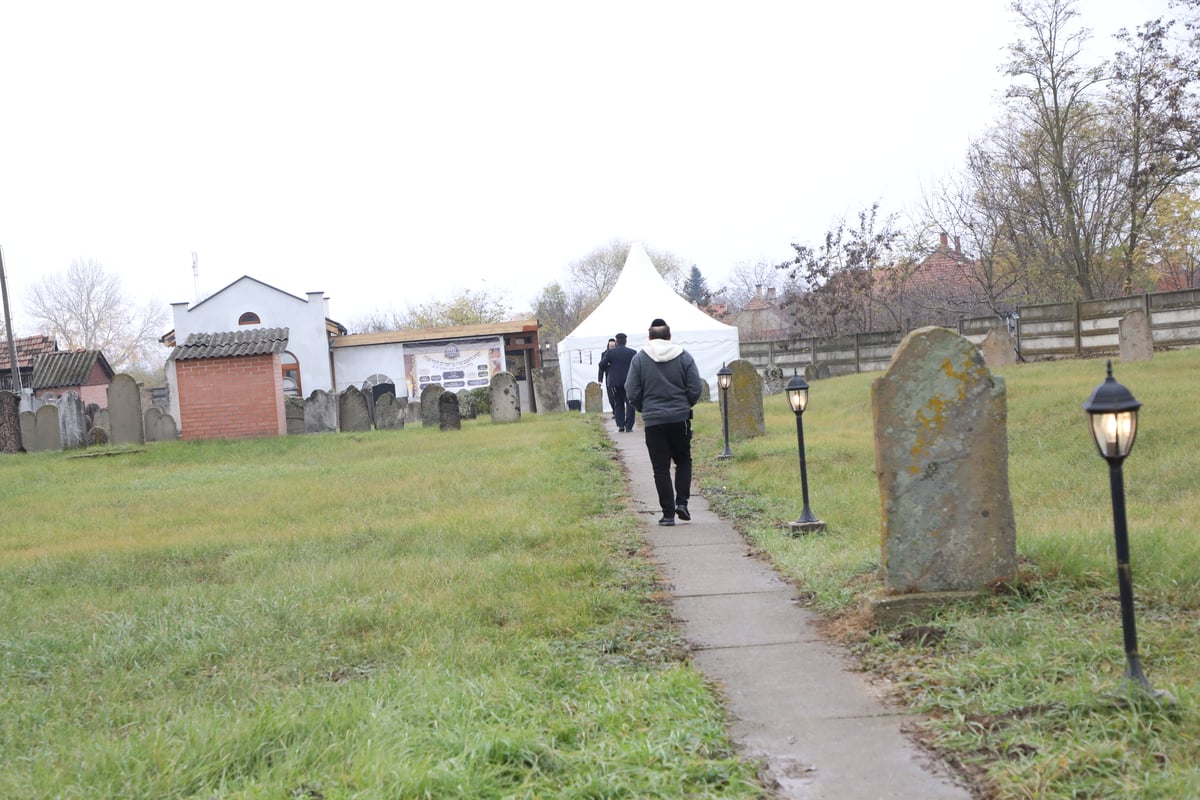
[(639, 296)]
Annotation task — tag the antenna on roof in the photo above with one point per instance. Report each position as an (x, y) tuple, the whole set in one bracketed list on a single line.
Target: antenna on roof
[(196, 276)]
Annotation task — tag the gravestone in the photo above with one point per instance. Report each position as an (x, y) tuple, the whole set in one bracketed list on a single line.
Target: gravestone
[(773, 380), (593, 400), (998, 348), (48, 436), (505, 400), (941, 455), (1135, 337), (29, 436), (149, 421), (125, 411), (745, 397), (705, 392), (293, 413), (412, 412), (430, 393), (98, 434), (164, 429), (466, 403), (481, 399), (10, 423), (389, 413), (449, 418), (101, 419), (353, 414), (547, 390), (320, 412), (72, 422)]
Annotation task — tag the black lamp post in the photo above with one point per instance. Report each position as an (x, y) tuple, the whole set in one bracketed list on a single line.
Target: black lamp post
[(797, 394), (1112, 412), (724, 378)]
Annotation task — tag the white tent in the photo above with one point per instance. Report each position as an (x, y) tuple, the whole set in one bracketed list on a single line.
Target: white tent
[(639, 296)]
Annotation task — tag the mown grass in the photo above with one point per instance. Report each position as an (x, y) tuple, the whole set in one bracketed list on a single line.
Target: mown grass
[(1025, 689), (395, 614)]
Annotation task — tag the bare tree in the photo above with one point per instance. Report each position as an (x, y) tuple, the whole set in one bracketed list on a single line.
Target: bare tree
[(86, 308), (595, 274)]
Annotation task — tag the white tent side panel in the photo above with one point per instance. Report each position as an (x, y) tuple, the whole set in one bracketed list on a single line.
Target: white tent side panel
[(639, 296)]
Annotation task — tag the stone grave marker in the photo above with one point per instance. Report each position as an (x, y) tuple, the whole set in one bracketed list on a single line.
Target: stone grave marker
[(165, 429), (293, 411), (72, 421), (505, 399), (320, 412), (48, 435), (430, 393), (547, 390), (466, 403), (593, 399), (389, 413), (449, 417), (353, 414), (29, 437), (745, 398), (97, 434), (103, 419), (941, 456), (1134, 336), (774, 380), (705, 392), (10, 423), (149, 421), (412, 412), (998, 348)]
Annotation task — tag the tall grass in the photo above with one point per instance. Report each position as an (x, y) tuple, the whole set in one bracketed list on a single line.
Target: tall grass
[(1025, 690), (395, 614)]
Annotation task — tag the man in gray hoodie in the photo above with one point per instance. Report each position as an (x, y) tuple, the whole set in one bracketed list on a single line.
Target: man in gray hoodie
[(663, 384)]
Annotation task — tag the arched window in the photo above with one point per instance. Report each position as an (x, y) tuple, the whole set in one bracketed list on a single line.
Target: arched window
[(249, 318), (291, 375)]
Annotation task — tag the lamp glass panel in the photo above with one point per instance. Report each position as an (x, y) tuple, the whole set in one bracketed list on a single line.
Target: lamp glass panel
[(724, 379), (798, 398), (1114, 433)]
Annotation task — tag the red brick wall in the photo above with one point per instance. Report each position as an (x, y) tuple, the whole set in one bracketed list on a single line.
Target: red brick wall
[(230, 398)]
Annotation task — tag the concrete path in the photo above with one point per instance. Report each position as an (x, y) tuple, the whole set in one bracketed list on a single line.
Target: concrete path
[(819, 727)]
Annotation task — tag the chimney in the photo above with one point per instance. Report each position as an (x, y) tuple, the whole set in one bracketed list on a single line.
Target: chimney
[(957, 245), (757, 291), (771, 294), (945, 241)]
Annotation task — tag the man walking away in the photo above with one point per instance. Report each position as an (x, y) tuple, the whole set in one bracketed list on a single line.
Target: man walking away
[(618, 359), (602, 374), (664, 384)]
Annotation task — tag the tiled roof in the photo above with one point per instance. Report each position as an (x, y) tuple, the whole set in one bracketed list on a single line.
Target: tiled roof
[(436, 334), (28, 349), (67, 368), (231, 344)]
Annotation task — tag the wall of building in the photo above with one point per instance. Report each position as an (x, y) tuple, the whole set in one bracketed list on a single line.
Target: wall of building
[(231, 398)]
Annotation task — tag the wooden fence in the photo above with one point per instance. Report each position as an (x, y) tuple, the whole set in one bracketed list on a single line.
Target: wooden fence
[(1048, 330)]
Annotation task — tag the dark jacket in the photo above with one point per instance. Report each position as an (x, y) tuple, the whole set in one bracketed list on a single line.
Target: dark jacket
[(614, 364), (663, 383)]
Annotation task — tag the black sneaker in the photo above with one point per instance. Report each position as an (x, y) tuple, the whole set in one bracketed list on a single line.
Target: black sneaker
[(667, 521), (682, 512)]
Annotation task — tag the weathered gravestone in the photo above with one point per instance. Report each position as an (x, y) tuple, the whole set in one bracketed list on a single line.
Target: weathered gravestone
[(505, 399), (29, 437), (163, 429), (705, 392), (745, 397), (998, 348), (430, 393), (293, 411), (449, 418), (48, 436), (320, 412), (353, 414), (773, 380), (817, 371), (72, 421), (10, 423), (466, 403), (547, 390), (101, 419), (593, 399), (97, 434), (941, 456), (150, 421), (412, 413), (1135, 337), (125, 411), (389, 412)]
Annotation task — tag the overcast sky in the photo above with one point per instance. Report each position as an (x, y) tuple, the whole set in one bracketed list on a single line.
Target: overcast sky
[(391, 153)]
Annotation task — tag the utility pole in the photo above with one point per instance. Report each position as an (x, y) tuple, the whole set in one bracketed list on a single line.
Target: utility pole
[(12, 345)]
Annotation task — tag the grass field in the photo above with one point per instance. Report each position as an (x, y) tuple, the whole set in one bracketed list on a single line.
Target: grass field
[(395, 614), (1025, 690), (468, 614)]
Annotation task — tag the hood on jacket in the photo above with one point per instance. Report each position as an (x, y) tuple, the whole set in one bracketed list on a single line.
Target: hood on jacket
[(662, 350)]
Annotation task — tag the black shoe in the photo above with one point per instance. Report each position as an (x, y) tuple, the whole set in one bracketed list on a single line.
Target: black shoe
[(682, 512), (667, 521)]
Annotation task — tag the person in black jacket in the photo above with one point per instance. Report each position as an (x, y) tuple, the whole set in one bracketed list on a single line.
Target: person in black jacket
[(664, 384), (614, 367), (602, 374)]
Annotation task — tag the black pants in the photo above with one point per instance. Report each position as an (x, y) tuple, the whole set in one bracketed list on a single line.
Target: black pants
[(666, 443), (622, 409)]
